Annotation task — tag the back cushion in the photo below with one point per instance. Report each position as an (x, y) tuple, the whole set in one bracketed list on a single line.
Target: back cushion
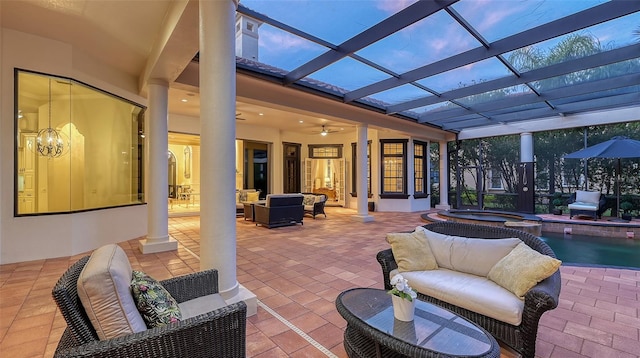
[(587, 196), (284, 199), (411, 251), (308, 199), (103, 288), (243, 194), (469, 255), (253, 196)]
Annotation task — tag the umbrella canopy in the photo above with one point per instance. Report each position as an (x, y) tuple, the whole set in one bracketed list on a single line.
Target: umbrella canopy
[(616, 147)]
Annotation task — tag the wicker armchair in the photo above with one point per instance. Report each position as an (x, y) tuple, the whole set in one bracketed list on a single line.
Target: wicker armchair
[(317, 208), (541, 298), (220, 333)]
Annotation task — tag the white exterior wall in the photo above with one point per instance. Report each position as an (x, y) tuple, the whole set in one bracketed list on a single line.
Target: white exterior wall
[(48, 236)]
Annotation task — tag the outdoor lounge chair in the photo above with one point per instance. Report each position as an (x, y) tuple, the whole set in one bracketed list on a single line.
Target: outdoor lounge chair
[(218, 333), (588, 203)]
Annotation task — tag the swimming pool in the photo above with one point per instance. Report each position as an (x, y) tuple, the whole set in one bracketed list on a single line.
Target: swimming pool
[(581, 249)]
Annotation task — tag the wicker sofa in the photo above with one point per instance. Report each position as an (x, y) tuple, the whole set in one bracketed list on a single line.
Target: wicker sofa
[(539, 299), (217, 333)]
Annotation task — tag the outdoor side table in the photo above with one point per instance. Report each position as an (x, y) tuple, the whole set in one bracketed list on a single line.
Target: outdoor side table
[(249, 209), (372, 330)]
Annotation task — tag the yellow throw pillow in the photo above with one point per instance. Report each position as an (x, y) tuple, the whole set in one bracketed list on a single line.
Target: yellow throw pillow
[(412, 251), (253, 196), (522, 269)]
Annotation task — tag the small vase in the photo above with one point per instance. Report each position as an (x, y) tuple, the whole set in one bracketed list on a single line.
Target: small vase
[(403, 310)]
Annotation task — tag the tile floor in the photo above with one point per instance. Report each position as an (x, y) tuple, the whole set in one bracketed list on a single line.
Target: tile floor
[(297, 272)]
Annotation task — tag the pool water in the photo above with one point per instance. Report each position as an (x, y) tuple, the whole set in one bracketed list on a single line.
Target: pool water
[(581, 249)]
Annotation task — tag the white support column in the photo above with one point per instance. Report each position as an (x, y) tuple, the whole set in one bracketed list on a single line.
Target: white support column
[(158, 239), (444, 178), (361, 164), (217, 141), (526, 147)]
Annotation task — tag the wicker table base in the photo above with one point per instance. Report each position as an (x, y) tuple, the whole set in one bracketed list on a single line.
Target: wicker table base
[(372, 330)]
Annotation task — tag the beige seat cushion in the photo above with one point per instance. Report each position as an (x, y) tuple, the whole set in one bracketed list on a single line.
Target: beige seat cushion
[(579, 205), (470, 255), (522, 269), (103, 288), (474, 293), (411, 251), (201, 305)]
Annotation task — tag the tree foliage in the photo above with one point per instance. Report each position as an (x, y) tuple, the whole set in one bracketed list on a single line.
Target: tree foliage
[(553, 173)]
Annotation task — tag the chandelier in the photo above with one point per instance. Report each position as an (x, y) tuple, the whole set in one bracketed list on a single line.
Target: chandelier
[(49, 141)]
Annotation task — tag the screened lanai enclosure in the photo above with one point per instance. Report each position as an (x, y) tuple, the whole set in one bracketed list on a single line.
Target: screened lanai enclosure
[(453, 64), (486, 71), (484, 171)]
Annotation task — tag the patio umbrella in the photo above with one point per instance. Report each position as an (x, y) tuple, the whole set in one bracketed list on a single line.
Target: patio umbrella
[(615, 148)]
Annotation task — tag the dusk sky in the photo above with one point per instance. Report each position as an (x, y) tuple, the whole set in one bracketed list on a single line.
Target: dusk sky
[(432, 39)]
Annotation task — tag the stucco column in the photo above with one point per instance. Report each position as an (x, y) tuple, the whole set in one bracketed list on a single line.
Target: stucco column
[(526, 173), (444, 178), (526, 147), (158, 239), (217, 141), (361, 180)]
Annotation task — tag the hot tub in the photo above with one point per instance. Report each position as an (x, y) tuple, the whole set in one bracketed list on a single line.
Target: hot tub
[(525, 222)]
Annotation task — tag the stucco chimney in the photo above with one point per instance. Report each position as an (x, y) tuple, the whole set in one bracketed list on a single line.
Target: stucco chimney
[(247, 37)]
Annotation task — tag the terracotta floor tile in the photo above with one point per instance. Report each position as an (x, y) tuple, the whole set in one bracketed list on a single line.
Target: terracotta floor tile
[(298, 272), (614, 327), (276, 352), (328, 335), (594, 350), (309, 321), (289, 341), (560, 352), (258, 343), (589, 333), (271, 326), (34, 348), (308, 352), (626, 345)]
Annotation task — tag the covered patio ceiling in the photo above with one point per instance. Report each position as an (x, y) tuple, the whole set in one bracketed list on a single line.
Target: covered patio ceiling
[(455, 65)]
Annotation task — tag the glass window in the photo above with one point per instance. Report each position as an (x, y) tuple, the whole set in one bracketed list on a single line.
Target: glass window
[(325, 151), (184, 172), (420, 168), (77, 147), (495, 179), (394, 168), (354, 168)]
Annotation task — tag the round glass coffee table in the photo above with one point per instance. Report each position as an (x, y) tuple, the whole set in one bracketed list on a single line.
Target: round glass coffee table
[(372, 331)]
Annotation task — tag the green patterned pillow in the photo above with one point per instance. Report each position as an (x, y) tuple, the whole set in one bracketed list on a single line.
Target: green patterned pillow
[(156, 305)]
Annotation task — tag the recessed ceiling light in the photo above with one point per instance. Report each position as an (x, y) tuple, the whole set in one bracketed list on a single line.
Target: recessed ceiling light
[(183, 100), (261, 114), (301, 121)]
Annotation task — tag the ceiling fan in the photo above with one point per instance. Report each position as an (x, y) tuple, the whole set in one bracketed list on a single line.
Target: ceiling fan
[(238, 118), (325, 131)]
